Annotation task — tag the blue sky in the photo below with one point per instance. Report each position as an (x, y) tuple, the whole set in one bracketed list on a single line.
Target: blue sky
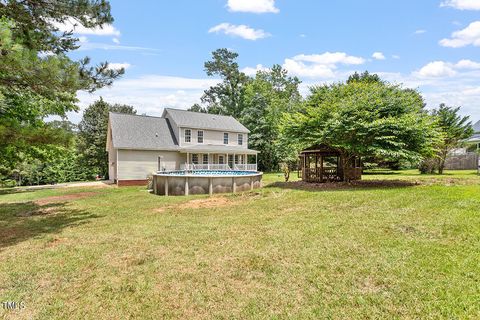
[(432, 45)]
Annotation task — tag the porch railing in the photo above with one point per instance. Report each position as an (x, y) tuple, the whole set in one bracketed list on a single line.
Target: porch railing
[(246, 167), (216, 166)]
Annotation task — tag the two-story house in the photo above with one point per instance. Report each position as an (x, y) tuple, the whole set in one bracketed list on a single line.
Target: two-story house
[(141, 145)]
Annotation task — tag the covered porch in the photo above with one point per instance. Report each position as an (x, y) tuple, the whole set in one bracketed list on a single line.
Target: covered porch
[(219, 158)]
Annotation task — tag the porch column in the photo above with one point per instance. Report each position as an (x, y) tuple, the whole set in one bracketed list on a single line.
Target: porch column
[(233, 161), (188, 161), (208, 161), (256, 161)]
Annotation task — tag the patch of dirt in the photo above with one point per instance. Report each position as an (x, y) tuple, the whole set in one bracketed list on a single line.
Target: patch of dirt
[(56, 241), (302, 185), (212, 202), (62, 198), (370, 286), (37, 212)]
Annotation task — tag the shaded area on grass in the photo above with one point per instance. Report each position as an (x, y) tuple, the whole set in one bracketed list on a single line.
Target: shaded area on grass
[(21, 221), (360, 184), (4, 191)]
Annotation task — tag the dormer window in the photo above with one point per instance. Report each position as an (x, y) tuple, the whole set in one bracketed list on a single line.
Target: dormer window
[(200, 136), (240, 139), (188, 135), (225, 138)]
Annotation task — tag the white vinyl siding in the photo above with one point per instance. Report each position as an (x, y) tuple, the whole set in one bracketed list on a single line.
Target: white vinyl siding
[(138, 164), (211, 137)]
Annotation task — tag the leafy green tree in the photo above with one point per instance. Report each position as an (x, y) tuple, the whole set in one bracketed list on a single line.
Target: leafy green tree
[(364, 118), (226, 97), (270, 94), (37, 77), (364, 77), (93, 134), (453, 128), (197, 108)]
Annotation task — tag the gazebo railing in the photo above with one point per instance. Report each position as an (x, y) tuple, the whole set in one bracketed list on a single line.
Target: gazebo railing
[(322, 174)]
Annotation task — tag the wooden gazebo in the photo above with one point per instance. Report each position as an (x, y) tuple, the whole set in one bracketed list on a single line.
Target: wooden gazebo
[(322, 163)]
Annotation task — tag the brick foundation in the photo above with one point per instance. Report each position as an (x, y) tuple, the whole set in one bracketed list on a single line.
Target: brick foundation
[(126, 183)]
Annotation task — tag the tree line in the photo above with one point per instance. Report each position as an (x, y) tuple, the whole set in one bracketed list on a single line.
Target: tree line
[(39, 80), (363, 116)]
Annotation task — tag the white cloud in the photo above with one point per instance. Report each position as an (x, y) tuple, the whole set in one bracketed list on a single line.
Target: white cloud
[(462, 4), (149, 94), (461, 38), (116, 40), (420, 31), (442, 69), (395, 56), (254, 6), (319, 65), (76, 26), (249, 71), (107, 46), (378, 56), (467, 64), (436, 69), (241, 31), (116, 65), (165, 82), (303, 35), (330, 58), (299, 68)]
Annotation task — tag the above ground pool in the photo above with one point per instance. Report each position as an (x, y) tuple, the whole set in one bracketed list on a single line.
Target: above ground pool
[(186, 182)]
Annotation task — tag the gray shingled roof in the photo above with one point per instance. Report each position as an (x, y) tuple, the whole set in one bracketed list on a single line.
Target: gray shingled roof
[(199, 120), (141, 132), (476, 127)]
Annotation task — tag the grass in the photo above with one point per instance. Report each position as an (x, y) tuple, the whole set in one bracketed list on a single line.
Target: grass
[(387, 251)]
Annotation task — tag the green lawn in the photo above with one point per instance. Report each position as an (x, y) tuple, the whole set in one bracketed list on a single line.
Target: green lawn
[(404, 249)]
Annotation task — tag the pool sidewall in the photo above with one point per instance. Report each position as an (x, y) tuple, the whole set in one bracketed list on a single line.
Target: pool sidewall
[(188, 184)]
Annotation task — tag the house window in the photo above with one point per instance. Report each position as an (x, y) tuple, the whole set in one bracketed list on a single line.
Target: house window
[(205, 159), (200, 136), (188, 135), (240, 139), (221, 160), (195, 158), (225, 138), (230, 160), (236, 159)]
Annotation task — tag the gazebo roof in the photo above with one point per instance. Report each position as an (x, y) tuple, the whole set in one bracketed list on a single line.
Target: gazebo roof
[(321, 148)]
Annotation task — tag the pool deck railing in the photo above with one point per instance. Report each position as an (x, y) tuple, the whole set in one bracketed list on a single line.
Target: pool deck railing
[(216, 166)]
